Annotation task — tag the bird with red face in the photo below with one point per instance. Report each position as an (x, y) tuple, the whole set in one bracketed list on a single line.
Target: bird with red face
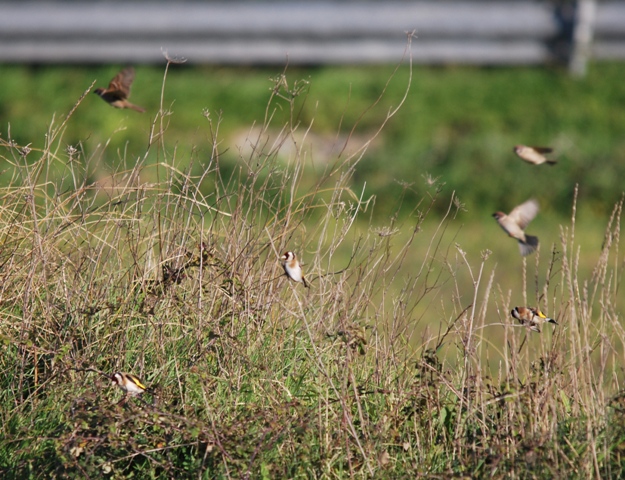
[(292, 268), (531, 317), (129, 383)]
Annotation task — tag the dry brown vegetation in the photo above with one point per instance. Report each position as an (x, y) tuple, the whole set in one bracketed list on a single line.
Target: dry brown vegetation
[(257, 377)]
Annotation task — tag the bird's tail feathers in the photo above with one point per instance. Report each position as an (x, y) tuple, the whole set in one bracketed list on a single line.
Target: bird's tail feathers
[(135, 107), (529, 245)]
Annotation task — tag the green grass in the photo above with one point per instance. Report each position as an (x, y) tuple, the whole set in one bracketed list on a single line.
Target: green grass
[(457, 123), (154, 250)]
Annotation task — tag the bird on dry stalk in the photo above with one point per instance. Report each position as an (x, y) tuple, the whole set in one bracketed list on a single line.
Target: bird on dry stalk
[(118, 90), (515, 223), (531, 317), (292, 268)]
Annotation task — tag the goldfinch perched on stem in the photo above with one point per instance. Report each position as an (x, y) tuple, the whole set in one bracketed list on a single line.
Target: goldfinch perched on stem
[(515, 222), (531, 317), (292, 268), (128, 382)]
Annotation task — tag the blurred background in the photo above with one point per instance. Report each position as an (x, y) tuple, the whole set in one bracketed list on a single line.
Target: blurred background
[(484, 77)]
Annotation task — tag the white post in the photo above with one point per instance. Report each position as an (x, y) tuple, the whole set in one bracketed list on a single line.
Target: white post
[(582, 36)]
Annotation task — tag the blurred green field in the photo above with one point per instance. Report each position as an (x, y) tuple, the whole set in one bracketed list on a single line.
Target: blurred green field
[(457, 124)]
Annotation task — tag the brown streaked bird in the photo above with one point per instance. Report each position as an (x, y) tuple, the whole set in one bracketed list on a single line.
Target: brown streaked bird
[(515, 222), (118, 90), (130, 383), (534, 155), (292, 268), (531, 317)]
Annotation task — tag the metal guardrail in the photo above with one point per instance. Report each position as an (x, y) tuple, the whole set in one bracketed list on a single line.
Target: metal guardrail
[(470, 32)]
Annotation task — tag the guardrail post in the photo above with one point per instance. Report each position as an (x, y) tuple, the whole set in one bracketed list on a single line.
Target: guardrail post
[(582, 37)]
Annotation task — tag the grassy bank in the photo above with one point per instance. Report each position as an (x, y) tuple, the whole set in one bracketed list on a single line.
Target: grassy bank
[(400, 361), (459, 124)]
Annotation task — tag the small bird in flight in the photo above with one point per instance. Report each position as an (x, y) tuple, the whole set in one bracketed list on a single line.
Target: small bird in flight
[(535, 155), (531, 317), (118, 90), (292, 268), (515, 222)]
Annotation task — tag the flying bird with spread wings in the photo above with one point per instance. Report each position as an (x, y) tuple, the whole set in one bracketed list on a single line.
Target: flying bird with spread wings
[(534, 155), (118, 91), (516, 221)]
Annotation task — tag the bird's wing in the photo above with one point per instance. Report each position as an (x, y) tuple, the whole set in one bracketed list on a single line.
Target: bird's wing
[(120, 85), (543, 149), (137, 381), (523, 214)]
